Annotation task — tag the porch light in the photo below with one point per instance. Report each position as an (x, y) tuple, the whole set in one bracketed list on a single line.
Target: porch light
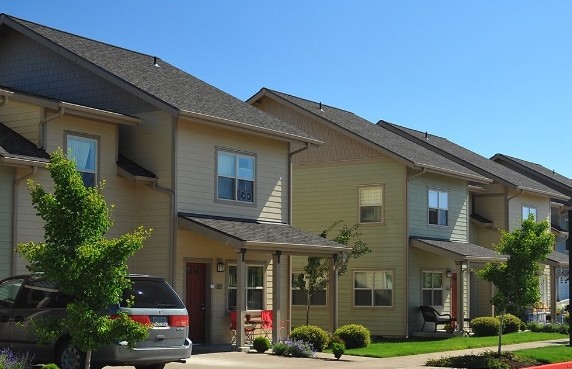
[(448, 273), (220, 267)]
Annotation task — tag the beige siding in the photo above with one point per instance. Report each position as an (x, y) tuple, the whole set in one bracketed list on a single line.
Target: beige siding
[(324, 194), (196, 173), (23, 119), (458, 227), (541, 203), (6, 180)]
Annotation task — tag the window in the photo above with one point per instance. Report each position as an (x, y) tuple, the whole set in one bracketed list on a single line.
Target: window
[(254, 287), (438, 207), (564, 222), (433, 288), (528, 210), (300, 298), (83, 150), (373, 288), (370, 204), (235, 177)]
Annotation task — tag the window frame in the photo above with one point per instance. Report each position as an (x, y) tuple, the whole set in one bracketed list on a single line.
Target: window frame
[(89, 138), (433, 288), (529, 209), (236, 154), (438, 208), (254, 288), (381, 204), (372, 288), (313, 304)]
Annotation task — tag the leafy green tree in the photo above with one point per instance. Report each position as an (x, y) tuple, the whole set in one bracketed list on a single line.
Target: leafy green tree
[(517, 279), (85, 264), (315, 276)]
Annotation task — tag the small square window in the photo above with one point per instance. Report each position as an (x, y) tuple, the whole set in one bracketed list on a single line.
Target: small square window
[(527, 211), (235, 177), (371, 204)]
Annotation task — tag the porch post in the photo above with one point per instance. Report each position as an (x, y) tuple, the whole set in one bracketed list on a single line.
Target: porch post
[(276, 296), (553, 289), (240, 297), (460, 298), (333, 293)]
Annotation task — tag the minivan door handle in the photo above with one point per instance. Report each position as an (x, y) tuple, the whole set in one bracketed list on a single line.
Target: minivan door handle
[(4, 319), (18, 318)]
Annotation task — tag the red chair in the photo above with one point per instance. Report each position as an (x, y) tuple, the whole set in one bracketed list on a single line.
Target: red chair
[(266, 325), (248, 330)]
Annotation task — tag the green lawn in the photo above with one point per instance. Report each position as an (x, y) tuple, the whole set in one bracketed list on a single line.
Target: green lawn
[(413, 346), (550, 354)]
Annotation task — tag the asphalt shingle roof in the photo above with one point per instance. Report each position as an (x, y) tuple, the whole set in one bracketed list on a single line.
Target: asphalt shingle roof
[(133, 168), (15, 146), (258, 232), (415, 154), (478, 163), (463, 250), (166, 83)]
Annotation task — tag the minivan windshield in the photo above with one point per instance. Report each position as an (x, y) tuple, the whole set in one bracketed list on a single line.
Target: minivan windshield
[(150, 293)]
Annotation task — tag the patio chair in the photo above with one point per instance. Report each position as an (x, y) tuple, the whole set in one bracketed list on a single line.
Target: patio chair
[(433, 316), (266, 323), (248, 329)]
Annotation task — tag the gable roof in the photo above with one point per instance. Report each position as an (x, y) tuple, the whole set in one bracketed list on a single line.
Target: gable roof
[(476, 162), (164, 86), (15, 148), (389, 143), (538, 172)]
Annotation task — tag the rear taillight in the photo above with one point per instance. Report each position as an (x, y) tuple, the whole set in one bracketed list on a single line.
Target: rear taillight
[(143, 319), (179, 320)]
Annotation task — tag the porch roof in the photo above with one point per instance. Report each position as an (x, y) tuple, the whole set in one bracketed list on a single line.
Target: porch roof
[(558, 259), (256, 235), (458, 251)]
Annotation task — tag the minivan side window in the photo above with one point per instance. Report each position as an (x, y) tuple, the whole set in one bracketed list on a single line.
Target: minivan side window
[(38, 293), (9, 291)]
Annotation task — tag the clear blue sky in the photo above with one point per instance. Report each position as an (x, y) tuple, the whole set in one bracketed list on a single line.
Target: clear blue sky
[(493, 76)]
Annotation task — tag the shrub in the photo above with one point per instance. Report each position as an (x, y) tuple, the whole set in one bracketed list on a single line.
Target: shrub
[(485, 326), (50, 366), (510, 324), (354, 335), (487, 359), (294, 348), (11, 360), (261, 344), (334, 339), (312, 334), (338, 349)]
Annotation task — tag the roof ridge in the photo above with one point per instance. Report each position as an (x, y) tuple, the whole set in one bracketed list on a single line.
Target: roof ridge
[(314, 102), (399, 126)]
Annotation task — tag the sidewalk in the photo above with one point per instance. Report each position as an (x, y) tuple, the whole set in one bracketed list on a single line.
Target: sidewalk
[(252, 360)]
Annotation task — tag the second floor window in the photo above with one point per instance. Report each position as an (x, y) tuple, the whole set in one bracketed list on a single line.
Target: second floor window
[(254, 287), (432, 287), (370, 204), (235, 177), (438, 207), (83, 150), (528, 210)]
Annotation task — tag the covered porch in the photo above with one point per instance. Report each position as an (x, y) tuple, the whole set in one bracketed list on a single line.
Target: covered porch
[(238, 243)]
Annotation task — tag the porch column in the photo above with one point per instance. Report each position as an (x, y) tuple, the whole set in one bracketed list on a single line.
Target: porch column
[(240, 297), (333, 293), (553, 288), (276, 296), (460, 298)]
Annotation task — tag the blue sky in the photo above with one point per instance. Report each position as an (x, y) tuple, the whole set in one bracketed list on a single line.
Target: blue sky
[(493, 76)]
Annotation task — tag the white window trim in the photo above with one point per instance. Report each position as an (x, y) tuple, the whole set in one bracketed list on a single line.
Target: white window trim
[(439, 190), (389, 271), (442, 289), (382, 205), (236, 153), (529, 208), (263, 288)]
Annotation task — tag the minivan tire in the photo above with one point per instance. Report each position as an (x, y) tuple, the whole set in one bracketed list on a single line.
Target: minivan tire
[(69, 356)]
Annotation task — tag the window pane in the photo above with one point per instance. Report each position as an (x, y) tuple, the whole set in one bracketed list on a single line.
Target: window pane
[(443, 215), (232, 276), (427, 297), (437, 280), (245, 191), (433, 216), (437, 297), (246, 168), (433, 199), (232, 299), (370, 196), (298, 297), (318, 298), (443, 200), (370, 214), (254, 299), (226, 188), (383, 280), (362, 298), (226, 165), (82, 150), (255, 277), (427, 280), (383, 298), (88, 179), (362, 280)]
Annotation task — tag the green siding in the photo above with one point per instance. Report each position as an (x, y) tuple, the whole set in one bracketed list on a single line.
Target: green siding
[(6, 179)]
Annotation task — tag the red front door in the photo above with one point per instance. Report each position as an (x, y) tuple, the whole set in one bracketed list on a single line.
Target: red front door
[(196, 300)]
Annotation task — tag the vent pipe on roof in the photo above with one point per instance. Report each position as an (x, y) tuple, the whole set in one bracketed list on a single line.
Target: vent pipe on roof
[(426, 135), (155, 62)]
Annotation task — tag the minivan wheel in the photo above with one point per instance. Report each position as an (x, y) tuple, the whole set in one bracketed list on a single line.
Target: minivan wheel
[(152, 366), (69, 357)]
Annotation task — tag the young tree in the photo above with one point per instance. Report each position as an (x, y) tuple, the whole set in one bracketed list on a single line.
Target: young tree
[(517, 280), (87, 266), (315, 276)]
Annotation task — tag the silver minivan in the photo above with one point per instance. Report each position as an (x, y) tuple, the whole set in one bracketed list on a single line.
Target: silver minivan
[(25, 297)]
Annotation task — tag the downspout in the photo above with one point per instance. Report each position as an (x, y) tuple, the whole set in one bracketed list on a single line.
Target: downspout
[(171, 234), (42, 125), (507, 204), (423, 171), (17, 181)]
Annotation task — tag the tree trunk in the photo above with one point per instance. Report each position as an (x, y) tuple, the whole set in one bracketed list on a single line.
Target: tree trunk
[(88, 359), (308, 309), (500, 330)]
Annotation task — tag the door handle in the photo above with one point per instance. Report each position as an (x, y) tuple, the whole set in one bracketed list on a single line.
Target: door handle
[(18, 318)]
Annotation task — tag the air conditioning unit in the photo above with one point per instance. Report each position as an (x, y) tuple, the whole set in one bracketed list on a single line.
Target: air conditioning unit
[(245, 196)]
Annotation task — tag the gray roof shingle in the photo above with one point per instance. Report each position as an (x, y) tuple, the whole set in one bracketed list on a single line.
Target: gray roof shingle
[(408, 151), (133, 168), (461, 250), (476, 162), (166, 84), (16, 147)]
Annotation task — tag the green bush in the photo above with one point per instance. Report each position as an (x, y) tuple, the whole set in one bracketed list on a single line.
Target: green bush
[(50, 366), (338, 349), (485, 326), (489, 359), (294, 348), (261, 344), (354, 335), (280, 348), (510, 324), (312, 334)]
